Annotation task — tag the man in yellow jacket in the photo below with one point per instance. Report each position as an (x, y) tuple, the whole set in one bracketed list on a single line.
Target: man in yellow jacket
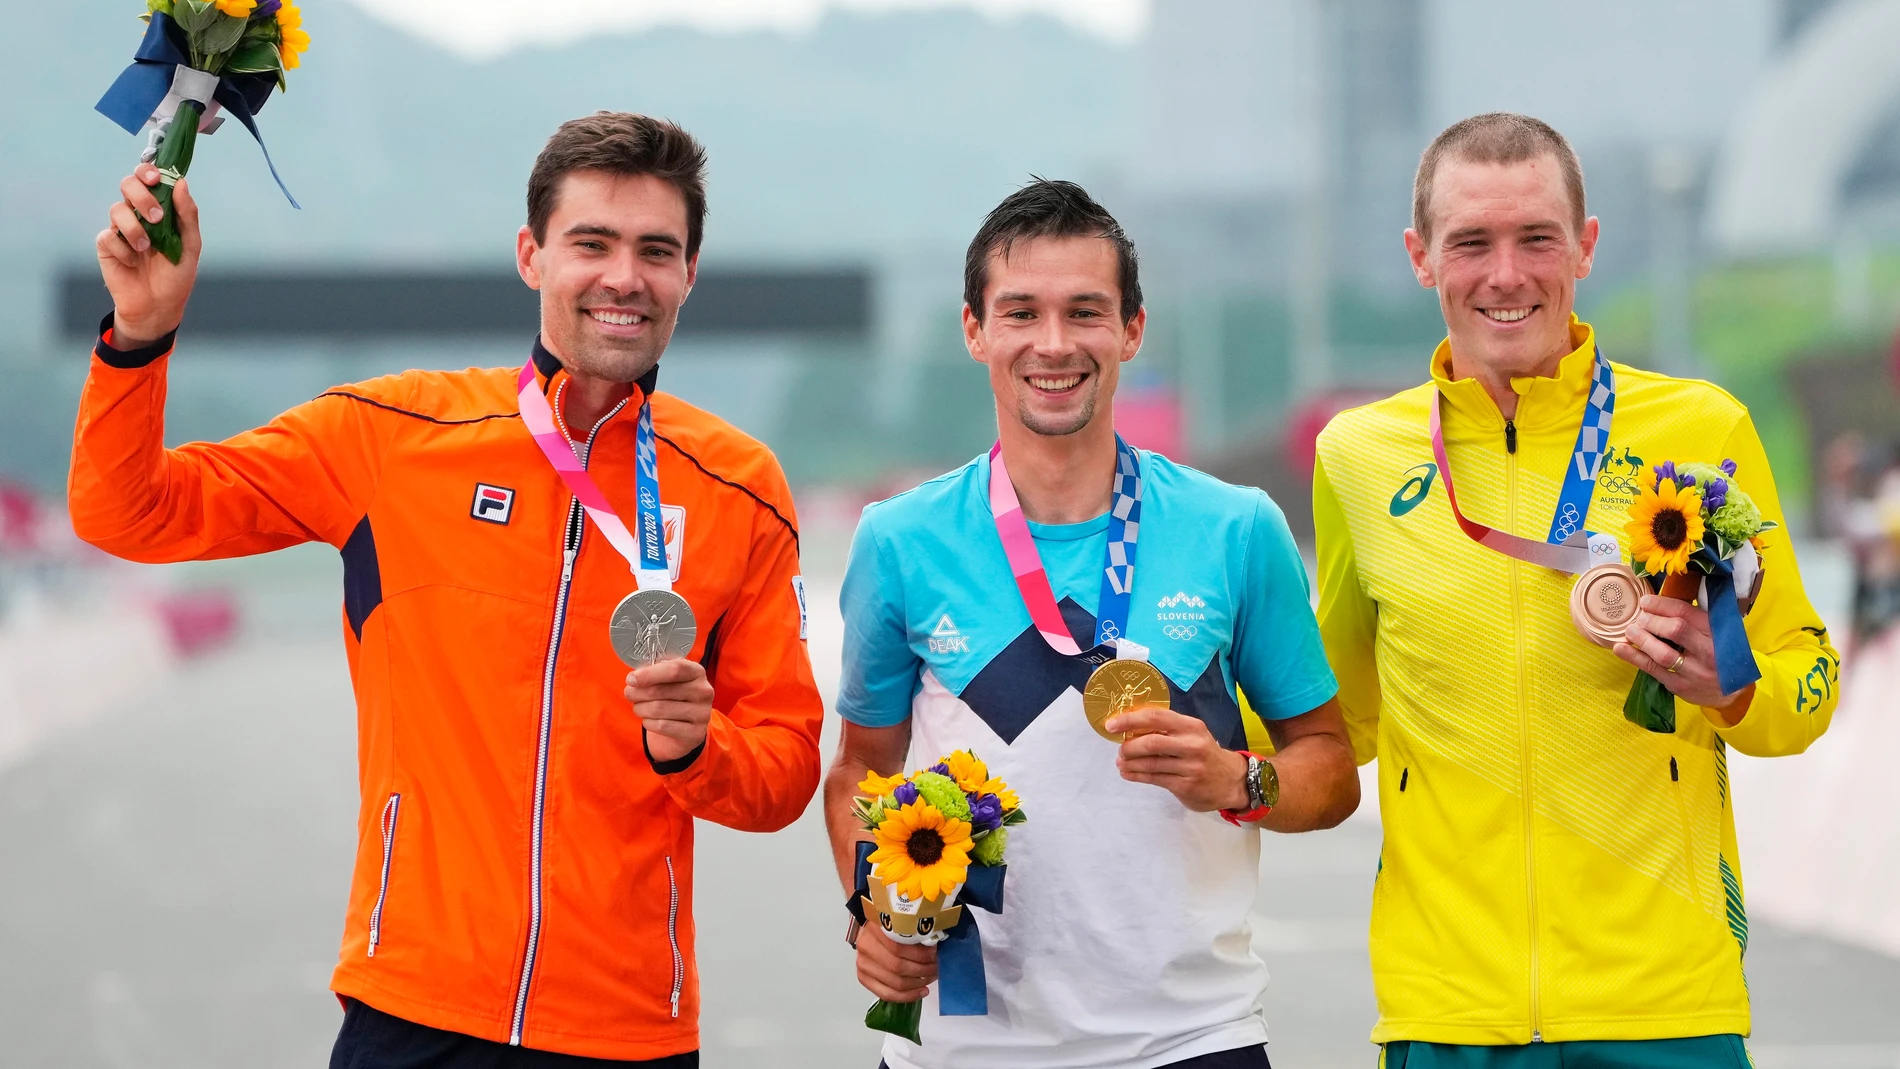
[(1558, 886)]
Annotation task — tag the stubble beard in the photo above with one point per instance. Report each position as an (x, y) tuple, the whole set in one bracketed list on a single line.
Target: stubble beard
[(615, 359), (1058, 426)]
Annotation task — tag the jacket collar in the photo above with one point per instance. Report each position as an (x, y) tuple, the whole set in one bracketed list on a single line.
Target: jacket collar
[(1542, 401), (547, 366)]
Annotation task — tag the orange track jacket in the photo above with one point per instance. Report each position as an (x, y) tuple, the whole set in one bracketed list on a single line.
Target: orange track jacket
[(523, 868)]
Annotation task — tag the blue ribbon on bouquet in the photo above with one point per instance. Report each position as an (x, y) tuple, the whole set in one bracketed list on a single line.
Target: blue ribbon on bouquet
[(142, 86), (1735, 666), (962, 986)]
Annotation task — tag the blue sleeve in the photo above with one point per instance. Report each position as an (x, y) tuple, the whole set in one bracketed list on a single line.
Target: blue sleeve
[(1278, 659), (880, 669)]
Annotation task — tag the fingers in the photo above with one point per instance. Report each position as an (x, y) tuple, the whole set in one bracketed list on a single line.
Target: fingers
[(1657, 605), (677, 670), (190, 237), (138, 194), (1152, 719), (1162, 744), (678, 730), (129, 228), (684, 712), (896, 972), (112, 245)]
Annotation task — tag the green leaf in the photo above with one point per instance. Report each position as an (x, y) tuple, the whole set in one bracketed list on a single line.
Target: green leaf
[(195, 16), (1015, 817), (255, 57), (221, 36)]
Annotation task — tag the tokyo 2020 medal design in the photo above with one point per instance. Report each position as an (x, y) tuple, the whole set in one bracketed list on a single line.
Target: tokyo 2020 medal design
[(1604, 601), (1118, 687), (650, 626)]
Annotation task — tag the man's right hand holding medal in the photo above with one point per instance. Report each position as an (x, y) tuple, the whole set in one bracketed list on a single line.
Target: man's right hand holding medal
[(148, 291)]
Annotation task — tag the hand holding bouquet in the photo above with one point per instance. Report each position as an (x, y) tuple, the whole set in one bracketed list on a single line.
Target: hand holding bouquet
[(198, 56), (1693, 538), (939, 839)]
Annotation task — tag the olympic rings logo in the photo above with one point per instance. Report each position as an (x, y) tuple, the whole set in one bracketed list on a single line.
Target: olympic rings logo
[(1568, 523), (1109, 631), (1180, 631), (1618, 484)]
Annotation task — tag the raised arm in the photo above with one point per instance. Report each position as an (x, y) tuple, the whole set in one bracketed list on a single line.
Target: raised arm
[(305, 476)]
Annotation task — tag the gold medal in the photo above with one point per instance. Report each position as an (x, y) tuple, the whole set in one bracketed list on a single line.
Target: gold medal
[(1120, 686), (1604, 601)]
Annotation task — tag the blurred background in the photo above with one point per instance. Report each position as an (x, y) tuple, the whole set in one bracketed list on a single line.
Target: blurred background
[(176, 744)]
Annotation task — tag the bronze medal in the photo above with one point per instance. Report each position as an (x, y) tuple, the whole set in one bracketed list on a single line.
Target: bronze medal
[(1604, 601), (1119, 686)]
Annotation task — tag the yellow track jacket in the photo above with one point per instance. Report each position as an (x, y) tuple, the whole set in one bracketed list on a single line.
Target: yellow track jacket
[(1550, 872)]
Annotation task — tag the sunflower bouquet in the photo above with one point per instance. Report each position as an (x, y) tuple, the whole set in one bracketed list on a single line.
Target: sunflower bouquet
[(199, 56), (1694, 537), (938, 841)]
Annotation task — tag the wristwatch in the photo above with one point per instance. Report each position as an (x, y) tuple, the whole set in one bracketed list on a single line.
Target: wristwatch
[(1263, 791)]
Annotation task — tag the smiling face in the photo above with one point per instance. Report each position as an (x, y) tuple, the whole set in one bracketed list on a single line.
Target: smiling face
[(1052, 334), (1505, 254), (612, 272)]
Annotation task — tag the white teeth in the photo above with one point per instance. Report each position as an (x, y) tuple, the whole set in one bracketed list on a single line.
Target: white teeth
[(1055, 384), (618, 319), (1506, 315)]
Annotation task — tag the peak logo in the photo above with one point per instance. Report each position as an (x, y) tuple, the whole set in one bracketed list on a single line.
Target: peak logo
[(1179, 600), (1415, 489), (945, 638)]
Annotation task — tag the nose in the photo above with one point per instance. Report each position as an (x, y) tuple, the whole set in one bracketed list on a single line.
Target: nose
[(1508, 270), (621, 274), (1052, 337)]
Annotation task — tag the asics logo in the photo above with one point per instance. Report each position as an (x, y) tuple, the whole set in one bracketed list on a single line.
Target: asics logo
[(1415, 489)]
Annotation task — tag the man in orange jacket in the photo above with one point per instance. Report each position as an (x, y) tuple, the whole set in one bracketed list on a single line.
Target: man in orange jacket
[(524, 862)]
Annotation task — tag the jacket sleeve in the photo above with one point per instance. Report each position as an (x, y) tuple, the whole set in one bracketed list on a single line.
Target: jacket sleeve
[(759, 766), (305, 476), (1348, 619), (1800, 671)]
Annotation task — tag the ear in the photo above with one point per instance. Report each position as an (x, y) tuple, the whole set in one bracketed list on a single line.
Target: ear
[(1587, 241), (1132, 334), (973, 335), (692, 276), (1420, 255), (525, 249)]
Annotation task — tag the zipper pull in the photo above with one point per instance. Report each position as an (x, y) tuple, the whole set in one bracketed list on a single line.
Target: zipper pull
[(567, 564), (676, 1003), (1510, 436)]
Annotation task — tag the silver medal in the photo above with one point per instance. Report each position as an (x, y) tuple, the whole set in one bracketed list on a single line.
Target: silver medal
[(650, 626)]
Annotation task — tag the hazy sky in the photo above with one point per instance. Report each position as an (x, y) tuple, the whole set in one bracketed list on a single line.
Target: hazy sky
[(480, 28)]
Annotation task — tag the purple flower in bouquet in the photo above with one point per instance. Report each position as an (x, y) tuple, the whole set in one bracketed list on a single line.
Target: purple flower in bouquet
[(906, 794), (1665, 470), (986, 812), (941, 768), (1716, 496), (1728, 468)]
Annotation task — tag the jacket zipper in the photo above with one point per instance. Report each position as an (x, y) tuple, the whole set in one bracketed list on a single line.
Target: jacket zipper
[(1524, 727), (570, 549), (672, 934), (390, 809)]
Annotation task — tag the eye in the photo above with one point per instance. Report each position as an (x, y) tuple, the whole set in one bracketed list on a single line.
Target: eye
[(658, 252), (1020, 314), (591, 246), (1087, 313)]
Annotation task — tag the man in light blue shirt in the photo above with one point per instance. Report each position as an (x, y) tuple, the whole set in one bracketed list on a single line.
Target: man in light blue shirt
[(1124, 941)]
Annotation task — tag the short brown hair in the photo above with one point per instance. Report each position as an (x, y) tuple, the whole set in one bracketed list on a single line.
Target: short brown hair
[(1495, 137), (620, 143)]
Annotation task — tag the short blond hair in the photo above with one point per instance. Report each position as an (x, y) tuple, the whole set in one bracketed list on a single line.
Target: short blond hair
[(1495, 137)]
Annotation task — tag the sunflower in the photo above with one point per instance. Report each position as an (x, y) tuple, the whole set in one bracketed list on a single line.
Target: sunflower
[(876, 786), (237, 9), (967, 769), (1002, 792), (1665, 527), (295, 42), (921, 852)]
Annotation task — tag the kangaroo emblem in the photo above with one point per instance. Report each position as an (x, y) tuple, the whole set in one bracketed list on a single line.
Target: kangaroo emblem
[(1631, 461)]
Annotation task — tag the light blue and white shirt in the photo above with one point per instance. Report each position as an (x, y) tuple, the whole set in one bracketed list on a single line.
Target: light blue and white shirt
[(1124, 940)]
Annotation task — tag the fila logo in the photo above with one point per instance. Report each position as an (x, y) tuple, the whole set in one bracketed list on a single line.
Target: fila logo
[(492, 503), (946, 638)]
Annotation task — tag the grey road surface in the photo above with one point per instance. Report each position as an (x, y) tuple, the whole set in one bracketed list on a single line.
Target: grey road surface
[(174, 877)]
